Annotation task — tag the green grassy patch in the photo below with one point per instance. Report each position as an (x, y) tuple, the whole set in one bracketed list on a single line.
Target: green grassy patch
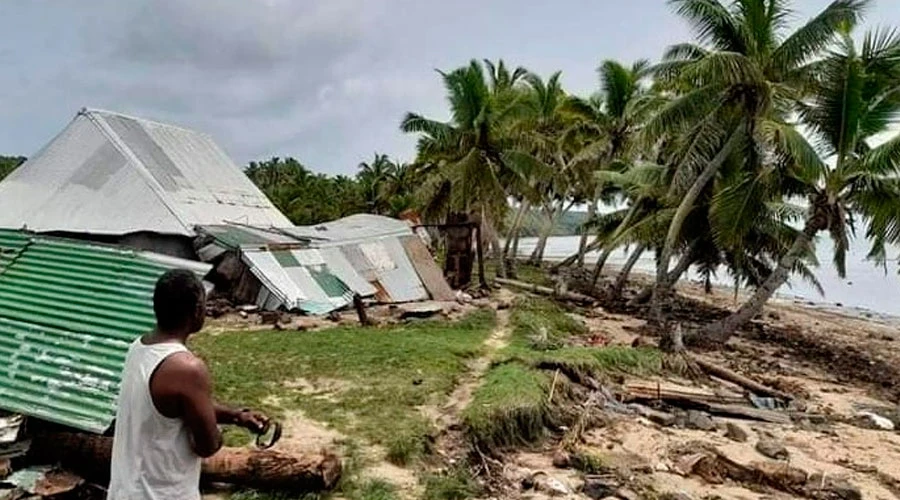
[(509, 408), (384, 374), (512, 406), (454, 484), (542, 335)]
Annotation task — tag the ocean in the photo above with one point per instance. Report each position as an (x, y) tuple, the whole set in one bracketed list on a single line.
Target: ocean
[(866, 289)]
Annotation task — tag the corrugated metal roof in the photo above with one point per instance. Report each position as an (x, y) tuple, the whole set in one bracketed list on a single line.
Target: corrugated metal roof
[(68, 311), (297, 279), (150, 176), (357, 227)]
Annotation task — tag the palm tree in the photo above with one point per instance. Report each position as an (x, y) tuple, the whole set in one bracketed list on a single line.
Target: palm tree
[(614, 117), (743, 71), (856, 96), (462, 161), (373, 177)]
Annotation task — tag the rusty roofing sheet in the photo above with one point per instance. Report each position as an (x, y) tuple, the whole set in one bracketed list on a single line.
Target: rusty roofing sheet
[(68, 311)]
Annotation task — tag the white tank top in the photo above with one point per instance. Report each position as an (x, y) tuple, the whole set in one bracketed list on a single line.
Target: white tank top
[(152, 458)]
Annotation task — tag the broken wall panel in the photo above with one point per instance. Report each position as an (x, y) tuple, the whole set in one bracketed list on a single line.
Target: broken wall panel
[(427, 269)]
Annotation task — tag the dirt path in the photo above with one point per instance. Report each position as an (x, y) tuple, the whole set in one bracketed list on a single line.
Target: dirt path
[(450, 439)]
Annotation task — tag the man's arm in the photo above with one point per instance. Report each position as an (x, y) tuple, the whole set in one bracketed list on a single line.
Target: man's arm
[(250, 420), (198, 409)]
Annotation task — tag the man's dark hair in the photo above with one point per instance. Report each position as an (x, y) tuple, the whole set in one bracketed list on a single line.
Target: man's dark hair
[(176, 299)]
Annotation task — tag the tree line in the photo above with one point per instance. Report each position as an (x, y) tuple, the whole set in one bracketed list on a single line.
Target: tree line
[(734, 152)]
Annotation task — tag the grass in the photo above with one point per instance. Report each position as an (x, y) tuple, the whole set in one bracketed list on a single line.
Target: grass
[(509, 408), (512, 406), (542, 334), (384, 374), (453, 484)]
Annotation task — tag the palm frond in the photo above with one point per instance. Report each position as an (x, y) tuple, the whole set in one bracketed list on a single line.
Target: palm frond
[(712, 22), (814, 36)]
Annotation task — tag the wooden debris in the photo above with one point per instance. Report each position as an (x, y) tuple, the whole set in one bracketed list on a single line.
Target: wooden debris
[(671, 392), (716, 468), (747, 412), (699, 399), (90, 455), (543, 290), (736, 378)]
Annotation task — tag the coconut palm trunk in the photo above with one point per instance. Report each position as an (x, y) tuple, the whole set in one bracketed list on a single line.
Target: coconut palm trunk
[(721, 331), (622, 278), (585, 230), (537, 256), (680, 268), (609, 247), (662, 287)]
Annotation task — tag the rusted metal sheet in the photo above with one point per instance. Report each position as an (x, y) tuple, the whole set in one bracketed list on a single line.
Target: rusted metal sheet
[(428, 271)]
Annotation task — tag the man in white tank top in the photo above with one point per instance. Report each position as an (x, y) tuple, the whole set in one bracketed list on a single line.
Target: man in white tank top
[(167, 419)]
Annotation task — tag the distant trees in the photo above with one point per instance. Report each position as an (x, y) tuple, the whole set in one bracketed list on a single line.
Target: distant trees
[(381, 186), (9, 163)]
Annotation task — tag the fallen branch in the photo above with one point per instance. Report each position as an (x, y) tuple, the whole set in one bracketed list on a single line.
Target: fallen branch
[(543, 290), (725, 405), (736, 378), (90, 456)]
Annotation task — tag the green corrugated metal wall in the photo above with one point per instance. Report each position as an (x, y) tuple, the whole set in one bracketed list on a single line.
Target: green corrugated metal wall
[(68, 311)]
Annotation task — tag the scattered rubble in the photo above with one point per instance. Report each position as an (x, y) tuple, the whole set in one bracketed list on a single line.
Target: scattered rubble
[(772, 449), (736, 433)]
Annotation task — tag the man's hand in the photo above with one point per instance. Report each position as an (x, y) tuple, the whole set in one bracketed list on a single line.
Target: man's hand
[(253, 421)]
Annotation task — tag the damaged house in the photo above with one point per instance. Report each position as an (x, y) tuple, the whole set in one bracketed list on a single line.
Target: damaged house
[(118, 179), (150, 186)]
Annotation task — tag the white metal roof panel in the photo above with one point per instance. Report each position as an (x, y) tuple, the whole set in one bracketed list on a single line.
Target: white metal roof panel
[(107, 173), (356, 227)]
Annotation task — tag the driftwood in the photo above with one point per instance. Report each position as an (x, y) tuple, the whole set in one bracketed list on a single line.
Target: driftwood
[(543, 290), (736, 378), (762, 415), (716, 468), (725, 405), (90, 456), (637, 391)]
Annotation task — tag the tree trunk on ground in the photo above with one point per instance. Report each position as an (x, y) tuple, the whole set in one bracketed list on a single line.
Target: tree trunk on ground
[(585, 230), (90, 456), (622, 279), (721, 331), (674, 275), (661, 288)]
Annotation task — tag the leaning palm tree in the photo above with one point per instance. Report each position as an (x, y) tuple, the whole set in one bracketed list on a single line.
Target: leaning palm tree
[(857, 96), (613, 117), (461, 161), (745, 70)]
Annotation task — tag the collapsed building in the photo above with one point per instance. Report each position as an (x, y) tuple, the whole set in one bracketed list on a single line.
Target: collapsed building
[(90, 222)]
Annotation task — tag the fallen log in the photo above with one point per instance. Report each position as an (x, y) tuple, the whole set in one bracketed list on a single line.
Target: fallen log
[(665, 392), (91, 455), (543, 290), (715, 467), (736, 378)]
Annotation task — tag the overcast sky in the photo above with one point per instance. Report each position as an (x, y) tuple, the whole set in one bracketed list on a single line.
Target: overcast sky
[(325, 81)]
